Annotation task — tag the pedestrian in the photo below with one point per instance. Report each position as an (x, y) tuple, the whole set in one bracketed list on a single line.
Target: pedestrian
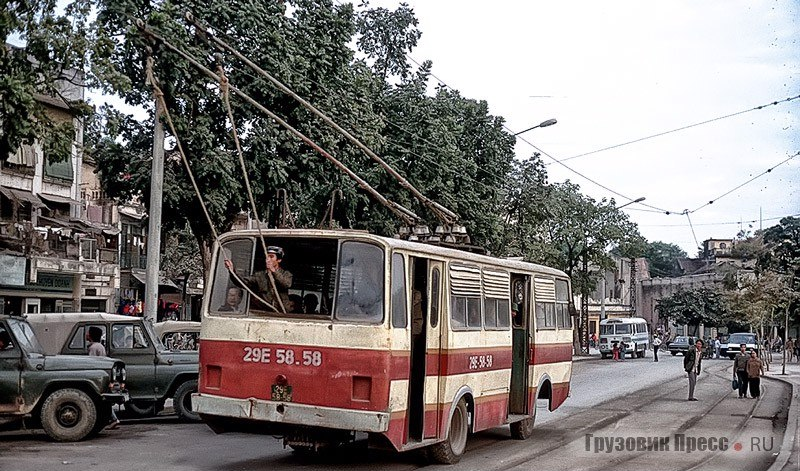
[(615, 351), (740, 369), (691, 364), (656, 345), (716, 347), (755, 368), (97, 349), (789, 349), (623, 349)]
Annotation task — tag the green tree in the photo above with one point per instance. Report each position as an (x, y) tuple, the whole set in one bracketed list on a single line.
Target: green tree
[(309, 49), (663, 258), (55, 50), (559, 226), (693, 307)]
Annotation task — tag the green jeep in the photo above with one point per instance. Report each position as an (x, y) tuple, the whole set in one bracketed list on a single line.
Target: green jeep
[(155, 373), (69, 397)]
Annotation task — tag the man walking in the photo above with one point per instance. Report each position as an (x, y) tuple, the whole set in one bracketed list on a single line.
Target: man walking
[(691, 363), (740, 369), (656, 345)]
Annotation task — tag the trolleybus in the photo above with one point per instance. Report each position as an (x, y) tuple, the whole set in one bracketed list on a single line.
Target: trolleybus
[(416, 345)]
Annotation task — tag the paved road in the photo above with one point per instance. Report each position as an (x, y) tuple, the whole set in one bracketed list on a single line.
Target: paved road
[(610, 401)]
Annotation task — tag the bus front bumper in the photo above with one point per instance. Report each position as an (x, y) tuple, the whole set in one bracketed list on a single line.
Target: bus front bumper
[(289, 413)]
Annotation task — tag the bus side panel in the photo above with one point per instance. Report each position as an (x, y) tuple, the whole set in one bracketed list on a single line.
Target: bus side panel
[(554, 361), (321, 376)]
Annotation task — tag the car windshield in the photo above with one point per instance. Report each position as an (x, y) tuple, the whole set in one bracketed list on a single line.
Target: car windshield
[(682, 340), (25, 337), (740, 339)]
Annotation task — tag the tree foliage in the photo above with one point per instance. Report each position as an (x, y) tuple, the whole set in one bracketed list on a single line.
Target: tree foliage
[(663, 258), (56, 48), (693, 307)]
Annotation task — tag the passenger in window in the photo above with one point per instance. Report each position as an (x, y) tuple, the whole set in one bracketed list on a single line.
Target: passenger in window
[(260, 282), (295, 304), (94, 335), (417, 314), (232, 300), (310, 303), (5, 340)]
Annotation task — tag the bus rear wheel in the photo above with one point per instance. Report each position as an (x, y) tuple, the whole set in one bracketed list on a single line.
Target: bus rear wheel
[(523, 429), (451, 450)]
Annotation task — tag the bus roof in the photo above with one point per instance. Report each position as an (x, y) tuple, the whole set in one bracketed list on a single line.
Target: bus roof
[(419, 247), (623, 320)]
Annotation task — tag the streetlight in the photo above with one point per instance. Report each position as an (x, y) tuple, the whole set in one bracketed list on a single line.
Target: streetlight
[(543, 124), (637, 200)]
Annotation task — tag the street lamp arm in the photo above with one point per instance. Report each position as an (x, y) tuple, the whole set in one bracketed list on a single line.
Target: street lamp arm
[(543, 124)]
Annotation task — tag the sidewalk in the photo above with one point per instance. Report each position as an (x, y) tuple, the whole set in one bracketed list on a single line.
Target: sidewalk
[(789, 458)]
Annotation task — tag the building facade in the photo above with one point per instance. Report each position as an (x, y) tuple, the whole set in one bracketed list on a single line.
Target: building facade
[(52, 258)]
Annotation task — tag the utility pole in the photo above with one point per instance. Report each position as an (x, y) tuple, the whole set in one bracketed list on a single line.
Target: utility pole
[(154, 219)]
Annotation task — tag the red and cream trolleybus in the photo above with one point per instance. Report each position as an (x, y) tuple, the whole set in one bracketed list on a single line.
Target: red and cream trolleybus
[(415, 344)]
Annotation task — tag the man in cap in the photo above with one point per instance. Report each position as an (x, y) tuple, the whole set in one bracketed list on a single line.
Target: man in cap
[(260, 282)]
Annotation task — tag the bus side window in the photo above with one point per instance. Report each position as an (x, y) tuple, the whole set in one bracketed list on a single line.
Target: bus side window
[(399, 314), (435, 297)]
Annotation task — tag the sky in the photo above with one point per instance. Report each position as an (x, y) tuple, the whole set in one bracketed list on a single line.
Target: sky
[(619, 71)]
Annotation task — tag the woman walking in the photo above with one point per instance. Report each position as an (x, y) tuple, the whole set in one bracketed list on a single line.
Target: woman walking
[(755, 368)]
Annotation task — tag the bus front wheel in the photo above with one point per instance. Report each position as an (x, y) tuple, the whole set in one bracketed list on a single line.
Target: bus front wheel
[(451, 450)]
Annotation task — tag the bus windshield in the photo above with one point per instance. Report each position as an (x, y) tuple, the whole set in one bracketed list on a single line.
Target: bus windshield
[(316, 278)]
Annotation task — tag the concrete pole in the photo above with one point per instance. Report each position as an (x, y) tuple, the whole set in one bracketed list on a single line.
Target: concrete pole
[(154, 220)]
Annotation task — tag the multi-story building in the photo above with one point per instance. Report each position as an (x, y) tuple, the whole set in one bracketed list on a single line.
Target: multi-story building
[(52, 257)]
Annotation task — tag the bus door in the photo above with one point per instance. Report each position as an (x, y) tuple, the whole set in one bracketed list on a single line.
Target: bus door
[(437, 340), (416, 380), (520, 325)]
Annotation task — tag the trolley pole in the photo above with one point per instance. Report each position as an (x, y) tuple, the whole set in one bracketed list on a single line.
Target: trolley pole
[(154, 219)]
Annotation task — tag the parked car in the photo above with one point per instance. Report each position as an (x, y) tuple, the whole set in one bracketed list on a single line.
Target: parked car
[(681, 344), (155, 373), (178, 335), (736, 340), (70, 397)]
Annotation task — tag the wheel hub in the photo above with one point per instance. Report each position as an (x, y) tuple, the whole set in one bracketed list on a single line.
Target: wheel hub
[(68, 415)]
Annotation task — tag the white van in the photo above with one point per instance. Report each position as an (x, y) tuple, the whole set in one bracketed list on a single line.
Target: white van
[(631, 330)]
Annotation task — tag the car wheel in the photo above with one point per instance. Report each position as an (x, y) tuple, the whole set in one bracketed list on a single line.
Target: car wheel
[(68, 415), (142, 408), (451, 450), (182, 401)]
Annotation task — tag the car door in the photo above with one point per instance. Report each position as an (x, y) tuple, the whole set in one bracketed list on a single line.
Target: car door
[(130, 343), (10, 374)]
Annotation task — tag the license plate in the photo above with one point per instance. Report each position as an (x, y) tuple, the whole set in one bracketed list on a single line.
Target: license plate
[(281, 393)]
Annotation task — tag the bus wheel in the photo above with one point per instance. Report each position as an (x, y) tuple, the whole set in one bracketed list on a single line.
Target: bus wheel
[(523, 429), (451, 450)]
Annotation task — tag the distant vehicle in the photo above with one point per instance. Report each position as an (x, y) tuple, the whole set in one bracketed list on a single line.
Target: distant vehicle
[(735, 340), (681, 345), (70, 397), (178, 335), (155, 373), (631, 330)]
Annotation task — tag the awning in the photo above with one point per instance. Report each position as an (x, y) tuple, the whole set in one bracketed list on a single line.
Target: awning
[(139, 275), (48, 221), (21, 196), (58, 199)]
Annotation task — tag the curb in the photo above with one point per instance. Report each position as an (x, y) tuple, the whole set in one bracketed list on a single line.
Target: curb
[(791, 428)]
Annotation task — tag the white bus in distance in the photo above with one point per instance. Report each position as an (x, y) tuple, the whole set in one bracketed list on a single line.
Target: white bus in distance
[(631, 330)]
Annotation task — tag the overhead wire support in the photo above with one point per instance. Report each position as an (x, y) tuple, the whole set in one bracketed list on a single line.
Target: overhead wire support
[(405, 214), (443, 214)]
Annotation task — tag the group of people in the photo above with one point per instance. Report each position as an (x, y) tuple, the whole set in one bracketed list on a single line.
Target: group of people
[(747, 369), (272, 285), (618, 351)]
